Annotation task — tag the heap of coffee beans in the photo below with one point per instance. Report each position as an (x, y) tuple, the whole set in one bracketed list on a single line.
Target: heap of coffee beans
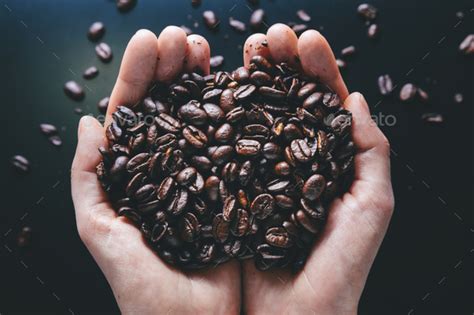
[(230, 165)]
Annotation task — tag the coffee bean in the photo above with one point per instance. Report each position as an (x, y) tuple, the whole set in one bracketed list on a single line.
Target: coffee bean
[(24, 237), (458, 98), (301, 150), (433, 118), (104, 52), (246, 147), (193, 114), (241, 75), (74, 90), (348, 51), (257, 19), (314, 186), (216, 61), (220, 228), (303, 15), (126, 5), (244, 92), (278, 237), (385, 84), (48, 129), (262, 206), (187, 30), (271, 92), (467, 45), (167, 123), (373, 31), (237, 25), (210, 19), (222, 154), (367, 11), (20, 163), (408, 92), (214, 112), (103, 104), (90, 73), (195, 137), (96, 31), (178, 202)]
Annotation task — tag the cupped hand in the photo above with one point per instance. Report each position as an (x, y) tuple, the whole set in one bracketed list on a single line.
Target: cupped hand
[(140, 281), (335, 273)]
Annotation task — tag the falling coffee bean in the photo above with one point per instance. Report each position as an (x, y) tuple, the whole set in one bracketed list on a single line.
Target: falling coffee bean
[(216, 61), (20, 163), (385, 84), (96, 31), (74, 90), (90, 73), (408, 92)]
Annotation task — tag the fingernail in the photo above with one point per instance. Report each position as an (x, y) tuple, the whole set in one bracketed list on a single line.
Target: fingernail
[(84, 123)]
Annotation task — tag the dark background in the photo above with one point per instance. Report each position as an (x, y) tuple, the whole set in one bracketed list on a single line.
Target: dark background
[(425, 263)]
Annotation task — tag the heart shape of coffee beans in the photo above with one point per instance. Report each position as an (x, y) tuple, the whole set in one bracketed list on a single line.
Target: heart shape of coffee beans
[(230, 165)]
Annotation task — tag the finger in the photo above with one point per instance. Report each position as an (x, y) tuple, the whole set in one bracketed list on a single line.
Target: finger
[(318, 61), (171, 52), (136, 71), (85, 188), (198, 55), (372, 158), (255, 45), (283, 44)]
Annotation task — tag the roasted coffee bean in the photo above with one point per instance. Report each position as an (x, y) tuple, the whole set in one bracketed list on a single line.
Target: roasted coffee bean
[(385, 84), (433, 118), (367, 11), (237, 25), (178, 202), (126, 5), (135, 183), (314, 210), (189, 227), (90, 73), (341, 124), (195, 137), (306, 222), (262, 206), (278, 237), (241, 75), (235, 115), (303, 15), (301, 150), (104, 52), (257, 19), (74, 90), (222, 154), (271, 151), (408, 92), (220, 228), (230, 172), (348, 51), (373, 31), (139, 163), (261, 63), (331, 100), (167, 123), (48, 129), (245, 173), (244, 92), (216, 61), (312, 100), (282, 169), (214, 112), (224, 133), (210, 19), (277, 185), (193, 114), (271, 92), (20, 163), (186, 176), (314, 186), (284, 202), (96, 31), (229, 208), (246, 147), (103, 104), (467, 45)]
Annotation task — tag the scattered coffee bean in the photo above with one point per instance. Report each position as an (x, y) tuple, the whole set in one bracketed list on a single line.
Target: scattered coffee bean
[(104, 52), (20, 163), (385, 84), (348, 51), (126, 5), (303, 15), (74, 90), (48, 129), (458, 98), (103, 104), (433, 118), (467, 45), (210, 19), (90, 73), (96, 31), (367, 11), (423, 95), (299, 28), (408, 92), (237, 25), (341, 63), (195, 3), (216, 61), (186, 29), (257, 19), (373, 31), (232, 165)]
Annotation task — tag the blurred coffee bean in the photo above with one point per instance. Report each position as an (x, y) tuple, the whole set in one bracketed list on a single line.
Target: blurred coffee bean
[(104, 52), (90, 73), (96, 31), (20, 163), (74, 90)]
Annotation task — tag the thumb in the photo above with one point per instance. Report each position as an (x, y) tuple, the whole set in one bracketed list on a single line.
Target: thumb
[(86, 190)]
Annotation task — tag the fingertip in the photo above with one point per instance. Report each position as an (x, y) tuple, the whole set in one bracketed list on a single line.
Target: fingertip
[(172, 43), (256, 44), (198, 54), (283, 44)]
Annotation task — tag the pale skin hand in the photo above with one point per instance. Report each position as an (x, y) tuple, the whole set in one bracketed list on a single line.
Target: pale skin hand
[(335, 273)]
